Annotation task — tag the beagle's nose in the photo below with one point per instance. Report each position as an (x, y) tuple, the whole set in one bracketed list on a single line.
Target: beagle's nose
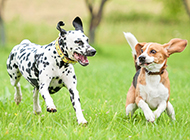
[(142, 59)]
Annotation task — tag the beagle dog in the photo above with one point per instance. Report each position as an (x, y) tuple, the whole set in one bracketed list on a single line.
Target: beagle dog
[(150, 89)]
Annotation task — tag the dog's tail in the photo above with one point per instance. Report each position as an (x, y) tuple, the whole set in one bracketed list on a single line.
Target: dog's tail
[(132, 41), (25, 41)]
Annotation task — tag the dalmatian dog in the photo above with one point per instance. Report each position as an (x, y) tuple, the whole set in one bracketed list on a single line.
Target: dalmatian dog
[(48, 68)]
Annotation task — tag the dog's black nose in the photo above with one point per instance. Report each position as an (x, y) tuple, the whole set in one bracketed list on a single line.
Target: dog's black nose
[(91, 52), (142, 59)]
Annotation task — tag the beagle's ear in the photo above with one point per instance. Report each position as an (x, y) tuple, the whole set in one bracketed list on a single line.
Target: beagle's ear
[(138, 48), (175, 45)]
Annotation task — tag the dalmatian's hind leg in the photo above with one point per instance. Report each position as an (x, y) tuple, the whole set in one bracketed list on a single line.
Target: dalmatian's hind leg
[(36, 105), (14, 78)]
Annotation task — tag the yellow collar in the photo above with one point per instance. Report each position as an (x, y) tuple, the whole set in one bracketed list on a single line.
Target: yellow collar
[(64, 58)]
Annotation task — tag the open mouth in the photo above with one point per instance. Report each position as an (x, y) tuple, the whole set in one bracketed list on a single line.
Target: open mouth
[(81, 59), (145, 64)]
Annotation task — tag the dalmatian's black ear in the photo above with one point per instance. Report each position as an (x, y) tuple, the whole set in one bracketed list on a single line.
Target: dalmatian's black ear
[(77, 23), (62, 31)]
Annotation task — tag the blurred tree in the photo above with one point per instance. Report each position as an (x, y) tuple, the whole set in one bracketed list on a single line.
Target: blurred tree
[(187, 6), (2, 30), (95, 17)]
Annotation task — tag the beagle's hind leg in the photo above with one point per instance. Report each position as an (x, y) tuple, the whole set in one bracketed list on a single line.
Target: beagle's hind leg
[(170, 111), (130, 106)]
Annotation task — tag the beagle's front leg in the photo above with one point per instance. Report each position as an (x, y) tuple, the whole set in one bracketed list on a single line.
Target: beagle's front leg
[(149, 115), (160, 109)]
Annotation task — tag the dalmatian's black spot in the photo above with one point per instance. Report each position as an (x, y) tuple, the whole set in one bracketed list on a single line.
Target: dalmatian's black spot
[(71, 93), (22, 56), (29, 64), (35, 69), (40, 72), (49, 45), (73, 103), (54, 52), (53, 90), (34, 82), (74, 77), (27, 56), (28, 70), (15, 66), (10, 75), (22, 50), (43, 97), (60, 81)]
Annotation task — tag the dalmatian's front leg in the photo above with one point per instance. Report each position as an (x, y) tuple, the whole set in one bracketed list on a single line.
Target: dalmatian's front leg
[(74, 96), (43, 89), (71, 84)]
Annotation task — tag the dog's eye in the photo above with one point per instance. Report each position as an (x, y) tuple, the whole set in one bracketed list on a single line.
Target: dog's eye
[(153, 51), (141, 50), (79, 42)]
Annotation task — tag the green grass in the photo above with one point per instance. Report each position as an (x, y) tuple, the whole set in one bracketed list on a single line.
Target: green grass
[(102, 87)]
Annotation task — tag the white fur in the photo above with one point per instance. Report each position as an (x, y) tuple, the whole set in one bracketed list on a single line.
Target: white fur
[(170, 111), (154, 95), (153, 92), (131, 109), (149, 115), (132, 41)]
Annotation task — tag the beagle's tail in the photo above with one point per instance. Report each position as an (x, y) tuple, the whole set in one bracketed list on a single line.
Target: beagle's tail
[(132, 41)]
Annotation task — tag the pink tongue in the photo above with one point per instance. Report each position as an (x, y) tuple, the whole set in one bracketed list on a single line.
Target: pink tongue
[(81, 58)]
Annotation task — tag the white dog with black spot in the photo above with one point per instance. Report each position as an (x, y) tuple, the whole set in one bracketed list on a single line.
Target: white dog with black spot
[(50, 67)]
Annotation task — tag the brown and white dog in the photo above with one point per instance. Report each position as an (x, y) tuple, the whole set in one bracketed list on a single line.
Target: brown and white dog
[(150, 89)]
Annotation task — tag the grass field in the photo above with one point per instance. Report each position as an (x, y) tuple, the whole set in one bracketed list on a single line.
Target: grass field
[(102, 85)]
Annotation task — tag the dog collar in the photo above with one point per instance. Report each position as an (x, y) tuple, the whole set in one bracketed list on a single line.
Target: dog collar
[(155, 73), (61, 54)]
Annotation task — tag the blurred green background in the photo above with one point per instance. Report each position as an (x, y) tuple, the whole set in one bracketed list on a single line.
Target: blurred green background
[(148, 20)]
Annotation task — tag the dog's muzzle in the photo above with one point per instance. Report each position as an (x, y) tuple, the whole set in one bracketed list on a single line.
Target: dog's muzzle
[(142, 59), (91, 52)]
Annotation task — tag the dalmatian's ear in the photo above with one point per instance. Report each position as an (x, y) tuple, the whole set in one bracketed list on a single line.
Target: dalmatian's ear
[(62, 31), (77, 23)]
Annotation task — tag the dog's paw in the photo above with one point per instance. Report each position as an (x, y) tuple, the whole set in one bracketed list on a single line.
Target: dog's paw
[(17, 99), (82, 122), (157, 114), (150, 117), (37, 111), (51, 109)]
